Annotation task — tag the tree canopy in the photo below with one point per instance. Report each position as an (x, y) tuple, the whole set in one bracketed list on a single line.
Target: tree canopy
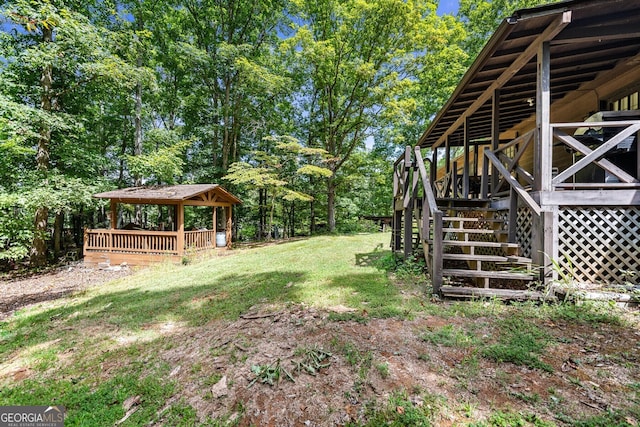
[(296, 105)]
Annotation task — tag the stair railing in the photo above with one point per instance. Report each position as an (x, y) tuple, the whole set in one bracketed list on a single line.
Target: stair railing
[(430, 223)]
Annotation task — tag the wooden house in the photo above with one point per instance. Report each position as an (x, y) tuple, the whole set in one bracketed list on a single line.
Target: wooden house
[(531, 171), (142, 246)]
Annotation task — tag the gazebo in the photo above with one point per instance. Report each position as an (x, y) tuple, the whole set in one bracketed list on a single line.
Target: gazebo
[(144, 246)]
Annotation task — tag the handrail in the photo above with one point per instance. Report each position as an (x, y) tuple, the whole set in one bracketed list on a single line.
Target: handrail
[(430, 208), (515, 185), (428, 191)]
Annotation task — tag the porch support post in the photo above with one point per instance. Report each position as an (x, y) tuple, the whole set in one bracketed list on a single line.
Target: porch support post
[(180, 242), (229, 225), (114, 213), (447, 154), (454, 180), (495, 133), (434, 165), (408, 204), (513, 215), (544, 148), (465, 170)]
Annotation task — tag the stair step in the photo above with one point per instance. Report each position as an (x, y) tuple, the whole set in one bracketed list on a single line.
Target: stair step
[(469, 230), (477, 244), (507, 294), (473, 219), (487, 258), (468, 209), (457, 272)]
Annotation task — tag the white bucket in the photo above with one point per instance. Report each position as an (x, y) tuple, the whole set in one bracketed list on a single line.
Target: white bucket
[(221, 238)]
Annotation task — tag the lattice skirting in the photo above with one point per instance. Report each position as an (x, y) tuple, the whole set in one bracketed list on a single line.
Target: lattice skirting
[(603, 243), (523, 230)]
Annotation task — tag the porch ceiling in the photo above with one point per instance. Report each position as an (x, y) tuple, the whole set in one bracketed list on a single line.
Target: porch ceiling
[(201, 194), (601, 35)]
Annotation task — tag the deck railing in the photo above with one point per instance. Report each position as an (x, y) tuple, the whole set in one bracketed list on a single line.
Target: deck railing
[(625, 132)]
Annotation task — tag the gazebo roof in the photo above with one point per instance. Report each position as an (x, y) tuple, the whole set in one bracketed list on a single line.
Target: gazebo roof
[(201, 194)]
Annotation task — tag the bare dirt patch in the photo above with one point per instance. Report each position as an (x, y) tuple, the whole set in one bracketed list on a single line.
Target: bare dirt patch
[(592, 369), (24, 290)]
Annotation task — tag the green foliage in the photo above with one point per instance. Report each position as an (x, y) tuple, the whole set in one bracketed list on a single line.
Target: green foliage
[(513, 419), (520, 342), (481, 18), (450, 336), (162, 166), (587, 312), (400, 410)]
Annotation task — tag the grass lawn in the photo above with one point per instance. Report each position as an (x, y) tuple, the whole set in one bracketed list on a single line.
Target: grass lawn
[(92, 351)]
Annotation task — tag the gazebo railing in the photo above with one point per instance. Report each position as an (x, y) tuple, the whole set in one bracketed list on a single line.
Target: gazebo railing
[(199, 240), (132, 241)]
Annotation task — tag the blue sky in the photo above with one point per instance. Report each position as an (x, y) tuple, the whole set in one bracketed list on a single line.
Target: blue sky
[(447, 6)]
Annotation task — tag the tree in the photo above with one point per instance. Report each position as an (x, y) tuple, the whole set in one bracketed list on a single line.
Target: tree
[(360, 60), (277, 170), (51, 53)]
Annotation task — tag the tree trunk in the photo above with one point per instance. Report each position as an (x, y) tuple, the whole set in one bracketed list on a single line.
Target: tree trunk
[(137, 139), (38, 254), (58, 229), (331, 204), (312, 210)]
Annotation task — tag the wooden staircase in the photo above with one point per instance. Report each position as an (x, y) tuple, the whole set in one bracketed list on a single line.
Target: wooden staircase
[(477, 258), (465, 242)]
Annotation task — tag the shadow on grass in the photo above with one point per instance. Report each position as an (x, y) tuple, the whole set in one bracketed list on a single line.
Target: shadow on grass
[(375, 258), (223, 298), (373, 293)]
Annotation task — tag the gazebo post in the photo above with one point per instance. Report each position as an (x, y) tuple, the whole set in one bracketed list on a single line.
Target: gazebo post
[(114, 213), (229, 222), (215, 226), (180, 243)]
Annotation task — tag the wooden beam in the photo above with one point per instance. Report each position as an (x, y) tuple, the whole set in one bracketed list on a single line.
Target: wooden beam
[(549, 33), (203, 203), (591, 198)]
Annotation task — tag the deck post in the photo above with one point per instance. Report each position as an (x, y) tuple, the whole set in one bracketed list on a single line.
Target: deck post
[(454, 180), (544, 245), (434, 166), (513, 215), (544, 150), (408, 205), (447, 154), (436, 251)]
